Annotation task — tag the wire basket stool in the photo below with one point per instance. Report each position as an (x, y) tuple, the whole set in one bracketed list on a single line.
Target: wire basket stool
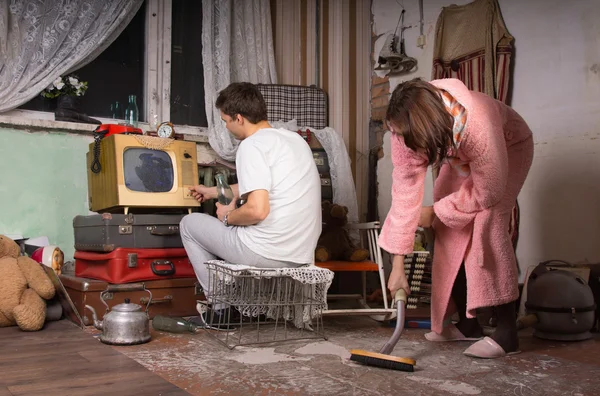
[(273, 306)]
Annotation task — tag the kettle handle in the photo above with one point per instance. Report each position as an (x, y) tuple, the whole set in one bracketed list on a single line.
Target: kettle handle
[(128, 287)]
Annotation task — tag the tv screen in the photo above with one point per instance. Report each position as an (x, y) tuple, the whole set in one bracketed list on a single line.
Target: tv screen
[(147, 170)]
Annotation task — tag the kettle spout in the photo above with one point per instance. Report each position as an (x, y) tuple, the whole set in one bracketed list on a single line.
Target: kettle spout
[(97, 323)]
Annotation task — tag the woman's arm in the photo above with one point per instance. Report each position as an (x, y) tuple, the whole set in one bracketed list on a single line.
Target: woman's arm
[(408, 184), (489, 175), (397, 279)]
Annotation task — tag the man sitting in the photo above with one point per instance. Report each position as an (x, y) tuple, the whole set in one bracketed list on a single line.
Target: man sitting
[(280, 221)]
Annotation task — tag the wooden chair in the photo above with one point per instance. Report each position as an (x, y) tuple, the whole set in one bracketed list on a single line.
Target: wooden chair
[(369, 236)]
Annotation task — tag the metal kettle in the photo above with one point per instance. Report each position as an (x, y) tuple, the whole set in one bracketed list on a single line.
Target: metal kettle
[(126, 323)]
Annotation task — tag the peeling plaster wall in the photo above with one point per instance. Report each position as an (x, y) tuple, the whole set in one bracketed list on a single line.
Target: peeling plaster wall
[(44, 184), (556, 88), (44, 180)]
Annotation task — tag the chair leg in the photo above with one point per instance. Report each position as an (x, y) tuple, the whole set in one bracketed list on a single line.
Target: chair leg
[(364, 285)]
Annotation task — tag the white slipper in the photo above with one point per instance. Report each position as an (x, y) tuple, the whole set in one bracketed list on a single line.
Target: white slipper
[(450, 333), (487, 349)]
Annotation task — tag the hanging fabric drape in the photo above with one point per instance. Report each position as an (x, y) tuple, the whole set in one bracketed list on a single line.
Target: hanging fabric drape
[(237, 45), (340, 168), (42, 40), (473, 45)]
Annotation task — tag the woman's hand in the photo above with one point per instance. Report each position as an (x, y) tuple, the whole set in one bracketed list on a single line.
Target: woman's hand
[(397, 279), (427, 217)]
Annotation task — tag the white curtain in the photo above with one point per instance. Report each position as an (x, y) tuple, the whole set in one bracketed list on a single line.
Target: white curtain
[(42, 40), (237, 45), (340, 168)]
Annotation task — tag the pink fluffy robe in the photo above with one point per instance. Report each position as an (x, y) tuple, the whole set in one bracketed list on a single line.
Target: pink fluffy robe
[(473, 208)]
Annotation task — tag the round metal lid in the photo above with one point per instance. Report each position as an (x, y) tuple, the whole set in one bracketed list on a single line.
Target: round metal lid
[(127, 306)]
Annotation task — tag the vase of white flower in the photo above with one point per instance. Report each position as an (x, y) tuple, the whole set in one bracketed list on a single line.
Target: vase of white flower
[(68, 90)]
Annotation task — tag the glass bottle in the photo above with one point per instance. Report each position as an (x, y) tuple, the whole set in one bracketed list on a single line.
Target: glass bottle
[(132, 112), (224, 192), (116, 111), (173, 324)]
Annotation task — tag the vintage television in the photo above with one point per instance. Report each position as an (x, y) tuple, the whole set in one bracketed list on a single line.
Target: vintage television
[(128, 173)]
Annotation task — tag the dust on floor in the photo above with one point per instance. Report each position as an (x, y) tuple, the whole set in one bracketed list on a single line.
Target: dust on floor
[(202, 366)]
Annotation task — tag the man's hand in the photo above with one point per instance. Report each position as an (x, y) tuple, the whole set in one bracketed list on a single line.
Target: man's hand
[(222, 210), (397, 279), (427, 217), (201, 193)]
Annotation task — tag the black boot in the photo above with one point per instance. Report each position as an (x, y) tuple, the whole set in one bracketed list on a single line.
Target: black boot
[(67, 109), (469, 327), (218, 319), (506, 330)]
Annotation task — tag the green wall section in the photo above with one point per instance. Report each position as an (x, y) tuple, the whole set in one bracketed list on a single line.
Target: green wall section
[(44, 184)]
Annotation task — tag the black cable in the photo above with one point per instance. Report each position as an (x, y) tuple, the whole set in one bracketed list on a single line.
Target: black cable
[(98, 136)]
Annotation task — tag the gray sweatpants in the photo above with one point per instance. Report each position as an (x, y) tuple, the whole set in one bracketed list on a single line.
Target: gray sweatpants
[(207, 238)]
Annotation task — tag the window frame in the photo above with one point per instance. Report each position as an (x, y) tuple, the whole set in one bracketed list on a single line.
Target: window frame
[(157, 82)]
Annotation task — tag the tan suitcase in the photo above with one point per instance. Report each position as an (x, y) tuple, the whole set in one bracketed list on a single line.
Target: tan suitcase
[(171, 297)]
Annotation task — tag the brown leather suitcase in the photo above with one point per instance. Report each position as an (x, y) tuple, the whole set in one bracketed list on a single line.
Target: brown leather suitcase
[(107, 231), (171, 297)]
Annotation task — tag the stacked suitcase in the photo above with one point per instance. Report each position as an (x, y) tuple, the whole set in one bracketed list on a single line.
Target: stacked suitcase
[(138, 251)]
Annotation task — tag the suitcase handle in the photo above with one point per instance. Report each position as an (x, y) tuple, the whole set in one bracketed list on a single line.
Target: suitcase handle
[(163, 272), (166, 299), (171, 230), (127, 287)]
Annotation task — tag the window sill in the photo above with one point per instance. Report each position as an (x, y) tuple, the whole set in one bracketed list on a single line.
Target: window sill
[(39, 121)]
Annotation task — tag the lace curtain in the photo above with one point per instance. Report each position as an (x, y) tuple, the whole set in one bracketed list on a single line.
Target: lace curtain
[(237, 45), (42, 40)]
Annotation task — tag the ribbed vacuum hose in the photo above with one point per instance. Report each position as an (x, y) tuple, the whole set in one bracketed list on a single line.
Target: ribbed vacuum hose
[(400, 299)]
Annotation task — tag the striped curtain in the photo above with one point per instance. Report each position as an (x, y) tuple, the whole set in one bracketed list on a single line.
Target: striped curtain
[(326, 43), (470, 70)]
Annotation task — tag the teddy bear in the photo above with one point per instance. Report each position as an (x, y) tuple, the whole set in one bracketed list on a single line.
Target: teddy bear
[(24, 287), (334, 242), (420, 241)]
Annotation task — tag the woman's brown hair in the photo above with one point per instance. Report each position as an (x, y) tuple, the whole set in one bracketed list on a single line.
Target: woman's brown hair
[(418, 113)]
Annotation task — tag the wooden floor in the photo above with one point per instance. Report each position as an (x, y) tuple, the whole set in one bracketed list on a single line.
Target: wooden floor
[(62, 359)]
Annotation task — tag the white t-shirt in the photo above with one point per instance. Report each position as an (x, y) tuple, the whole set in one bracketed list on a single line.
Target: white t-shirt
[(280, 162)]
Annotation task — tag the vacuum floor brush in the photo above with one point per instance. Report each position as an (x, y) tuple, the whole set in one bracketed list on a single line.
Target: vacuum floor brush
[(383, 358)]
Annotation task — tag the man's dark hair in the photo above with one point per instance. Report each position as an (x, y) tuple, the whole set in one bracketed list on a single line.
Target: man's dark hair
[(245, 99)]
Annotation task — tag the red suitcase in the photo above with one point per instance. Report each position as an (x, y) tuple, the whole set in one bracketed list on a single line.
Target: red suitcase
[(124, 265)]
